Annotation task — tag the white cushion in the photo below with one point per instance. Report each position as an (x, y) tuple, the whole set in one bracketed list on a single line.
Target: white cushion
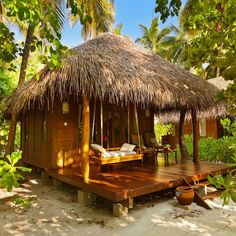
[(98, 148), (126, 147), (118, 154)]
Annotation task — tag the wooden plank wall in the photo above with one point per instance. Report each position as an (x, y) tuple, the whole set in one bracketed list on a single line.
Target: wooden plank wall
[(62, 133)]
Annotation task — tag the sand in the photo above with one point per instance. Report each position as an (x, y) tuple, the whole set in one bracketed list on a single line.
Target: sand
[(54, 211)]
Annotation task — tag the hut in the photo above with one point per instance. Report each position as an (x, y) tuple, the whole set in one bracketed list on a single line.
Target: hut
[(107, 89), (208, 126)]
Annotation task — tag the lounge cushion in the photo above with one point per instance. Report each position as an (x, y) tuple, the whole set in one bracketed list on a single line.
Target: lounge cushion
[(118, 154), (99, 148), (126, 147)]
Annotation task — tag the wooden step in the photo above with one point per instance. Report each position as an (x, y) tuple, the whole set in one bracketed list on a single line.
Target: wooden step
[(212, 195)]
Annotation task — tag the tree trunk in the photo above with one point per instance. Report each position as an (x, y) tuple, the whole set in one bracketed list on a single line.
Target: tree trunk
[(24, 63), (85, 144), (182, 146), (217, 71), (195, 135)]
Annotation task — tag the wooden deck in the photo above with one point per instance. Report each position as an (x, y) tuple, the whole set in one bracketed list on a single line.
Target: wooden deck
[(136, 179)]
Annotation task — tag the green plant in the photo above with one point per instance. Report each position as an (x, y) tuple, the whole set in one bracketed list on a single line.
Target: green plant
[(4, 128), (9, 172), (162, 130), (228, 183), (214, 150), (229, 126), (25, 203)]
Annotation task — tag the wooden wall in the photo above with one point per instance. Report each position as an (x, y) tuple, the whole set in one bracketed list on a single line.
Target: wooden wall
[(63, 133), (35, 152)]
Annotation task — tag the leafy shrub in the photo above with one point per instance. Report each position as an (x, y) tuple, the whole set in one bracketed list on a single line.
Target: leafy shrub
[(4, 129), (9, 172), (214, 150), (162, 130), (229, 126), (22, 202), (228, 183)]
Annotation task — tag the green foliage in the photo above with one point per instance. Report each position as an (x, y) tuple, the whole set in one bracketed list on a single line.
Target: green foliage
[(154, 38), (8, 48), (4, 128), (229, 126), (211, 50), (118, 29), (95, 17), (22, 202), (45, 19), (168, 8), (214, 150), (7, 83), (228, 184), (9, 172), (162, 130)]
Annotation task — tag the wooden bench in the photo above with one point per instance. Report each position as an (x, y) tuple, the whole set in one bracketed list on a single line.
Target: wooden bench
[(97, 157)]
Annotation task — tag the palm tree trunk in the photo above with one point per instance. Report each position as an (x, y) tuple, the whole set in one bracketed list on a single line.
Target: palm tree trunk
[(182, 145), (217, 71), (25, 57), (24, 63)]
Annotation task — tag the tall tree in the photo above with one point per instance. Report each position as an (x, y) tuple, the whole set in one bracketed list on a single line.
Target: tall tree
[(214, 23), (43, 20), (98, 17), (153, 37), (178, 47)]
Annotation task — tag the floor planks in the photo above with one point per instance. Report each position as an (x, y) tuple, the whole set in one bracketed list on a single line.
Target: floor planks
[(136, 179)]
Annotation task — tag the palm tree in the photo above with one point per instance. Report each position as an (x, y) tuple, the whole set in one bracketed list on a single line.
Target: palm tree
[(117, 30), (101, 16), (178, 47), (153, 37)]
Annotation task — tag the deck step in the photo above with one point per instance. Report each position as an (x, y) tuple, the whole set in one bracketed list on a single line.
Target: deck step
[(211, 195)]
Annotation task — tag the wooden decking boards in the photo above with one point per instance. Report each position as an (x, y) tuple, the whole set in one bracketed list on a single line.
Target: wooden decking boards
[(135, 179)]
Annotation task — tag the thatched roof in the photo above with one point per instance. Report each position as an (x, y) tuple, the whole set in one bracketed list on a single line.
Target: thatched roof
[(220, 82), (114, 68)]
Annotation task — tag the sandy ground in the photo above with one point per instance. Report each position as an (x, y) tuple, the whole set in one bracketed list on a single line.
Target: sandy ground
[(55, 212)]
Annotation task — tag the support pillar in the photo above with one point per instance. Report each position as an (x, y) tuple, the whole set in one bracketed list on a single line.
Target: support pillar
[(137, 125), (57, 183), (85, 139), (182, 146), (45, 177), (101, 120), (119, 210), (195, 128), (85, 198)]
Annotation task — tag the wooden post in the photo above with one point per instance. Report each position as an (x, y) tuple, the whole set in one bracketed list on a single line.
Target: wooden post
[(128, 123), (94, 118), (195, 127), (85, 139), (182, 146), (101, 113), (137, 124)]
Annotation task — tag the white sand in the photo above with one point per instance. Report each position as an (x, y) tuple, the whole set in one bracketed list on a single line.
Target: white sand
[(56, 212)]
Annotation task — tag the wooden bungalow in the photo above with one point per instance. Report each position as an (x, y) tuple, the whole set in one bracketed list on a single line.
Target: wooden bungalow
[(108, 89), (207, 126)]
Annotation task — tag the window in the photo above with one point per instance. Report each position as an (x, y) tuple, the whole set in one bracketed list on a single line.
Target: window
[(202, 127), (65, 107)]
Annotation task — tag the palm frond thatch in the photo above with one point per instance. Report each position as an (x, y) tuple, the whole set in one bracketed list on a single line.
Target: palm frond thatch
[(113, 68)]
